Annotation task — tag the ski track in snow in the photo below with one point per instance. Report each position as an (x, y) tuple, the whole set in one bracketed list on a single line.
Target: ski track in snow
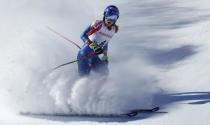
[(159, 57)]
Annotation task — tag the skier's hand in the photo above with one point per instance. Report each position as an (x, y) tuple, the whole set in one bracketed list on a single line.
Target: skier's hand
[(95, 48), (105, 59)]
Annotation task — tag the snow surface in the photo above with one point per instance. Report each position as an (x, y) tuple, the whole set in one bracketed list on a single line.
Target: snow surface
[(159, 57)]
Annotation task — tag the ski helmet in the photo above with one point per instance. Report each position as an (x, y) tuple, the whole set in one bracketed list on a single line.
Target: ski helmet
[(111, 12)]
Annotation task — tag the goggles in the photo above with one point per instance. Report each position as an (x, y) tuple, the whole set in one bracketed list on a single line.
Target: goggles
[(112, 17)]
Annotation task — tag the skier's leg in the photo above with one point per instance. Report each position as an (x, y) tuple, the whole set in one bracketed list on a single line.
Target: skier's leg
[(83, 63)]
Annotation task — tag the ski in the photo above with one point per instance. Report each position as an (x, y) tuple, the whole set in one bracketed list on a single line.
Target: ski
[(131, 113), (135, 112)]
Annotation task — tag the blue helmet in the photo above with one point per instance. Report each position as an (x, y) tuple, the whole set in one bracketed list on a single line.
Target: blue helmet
[(111, 12)]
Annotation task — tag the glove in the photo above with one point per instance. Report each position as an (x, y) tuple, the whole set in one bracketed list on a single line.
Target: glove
[(95, 48), (105, 59)]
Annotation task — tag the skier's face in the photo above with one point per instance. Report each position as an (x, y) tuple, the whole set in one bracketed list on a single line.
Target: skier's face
[(109, 22)]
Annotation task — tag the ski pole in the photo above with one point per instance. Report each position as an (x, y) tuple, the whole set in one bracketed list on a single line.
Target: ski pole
[(65, 64), (86, 57), (52, 30)]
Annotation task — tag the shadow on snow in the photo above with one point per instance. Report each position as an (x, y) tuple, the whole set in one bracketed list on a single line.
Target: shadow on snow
[(195, 98)]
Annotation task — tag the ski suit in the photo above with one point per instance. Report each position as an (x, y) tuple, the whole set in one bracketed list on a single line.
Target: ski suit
[(97, 32)]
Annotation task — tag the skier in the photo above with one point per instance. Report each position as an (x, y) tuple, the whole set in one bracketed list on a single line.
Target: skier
[(96, 38)]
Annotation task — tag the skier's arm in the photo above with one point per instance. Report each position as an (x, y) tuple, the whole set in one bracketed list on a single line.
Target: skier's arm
[(84, 35), (105, 49), (94, 27), (105, 56)]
